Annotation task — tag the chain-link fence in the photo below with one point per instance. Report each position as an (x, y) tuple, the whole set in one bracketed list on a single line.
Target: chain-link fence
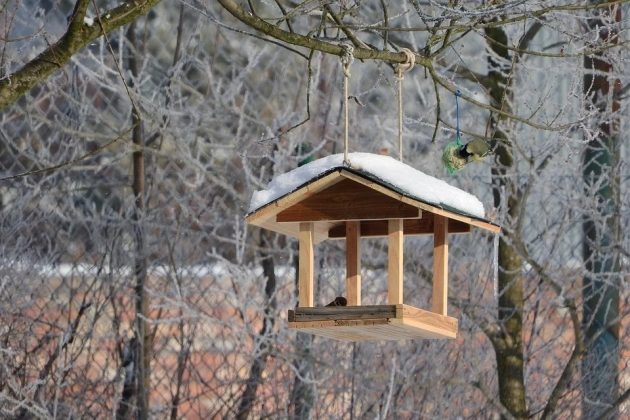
[(217, 117)]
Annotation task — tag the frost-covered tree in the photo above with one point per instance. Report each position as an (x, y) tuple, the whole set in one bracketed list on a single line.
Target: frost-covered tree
[(215, 98)]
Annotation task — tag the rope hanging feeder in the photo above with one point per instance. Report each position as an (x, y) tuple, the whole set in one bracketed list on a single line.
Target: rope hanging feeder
[(400, 71), (346, 61), (451, 157)]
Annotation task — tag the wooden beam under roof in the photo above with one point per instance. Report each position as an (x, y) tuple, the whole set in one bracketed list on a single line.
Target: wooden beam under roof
[(347, 200), (423, 226), (269, 211), (421, 205)]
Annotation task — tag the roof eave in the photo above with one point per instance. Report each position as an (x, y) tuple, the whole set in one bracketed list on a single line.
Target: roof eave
[(260, 215)]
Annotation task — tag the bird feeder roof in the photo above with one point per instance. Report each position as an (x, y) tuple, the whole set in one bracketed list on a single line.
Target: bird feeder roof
[(368, 187)]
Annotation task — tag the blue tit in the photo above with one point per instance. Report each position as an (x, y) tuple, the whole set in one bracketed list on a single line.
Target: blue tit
[(475, 150)]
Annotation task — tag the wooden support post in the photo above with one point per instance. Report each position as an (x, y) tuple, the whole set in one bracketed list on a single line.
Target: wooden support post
[(305, 287), (395, 263), (353, 263), (440, 264)]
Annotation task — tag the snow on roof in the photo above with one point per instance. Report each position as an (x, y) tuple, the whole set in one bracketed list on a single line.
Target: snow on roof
[(385, 169)]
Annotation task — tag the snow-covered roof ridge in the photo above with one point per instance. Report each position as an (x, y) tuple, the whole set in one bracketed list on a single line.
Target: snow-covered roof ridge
[(390, 171)]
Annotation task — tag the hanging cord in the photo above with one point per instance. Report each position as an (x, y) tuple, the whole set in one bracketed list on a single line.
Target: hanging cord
[(458, 94), (346, 61), (400, 76), (456, 155), (495, 267)]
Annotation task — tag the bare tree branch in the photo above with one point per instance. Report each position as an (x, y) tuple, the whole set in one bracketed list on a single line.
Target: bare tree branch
[(312, 43), (78, 35)]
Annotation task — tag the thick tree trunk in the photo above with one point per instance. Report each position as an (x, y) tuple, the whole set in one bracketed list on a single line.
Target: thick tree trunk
[(255, 374), (600, 366), (128, 359), (508, 346)]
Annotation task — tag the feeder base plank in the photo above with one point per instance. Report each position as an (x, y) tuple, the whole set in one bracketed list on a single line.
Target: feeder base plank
[(373, 323)]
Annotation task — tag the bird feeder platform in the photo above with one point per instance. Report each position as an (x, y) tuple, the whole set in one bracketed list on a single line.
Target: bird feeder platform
[(369, 196), (372, 322)]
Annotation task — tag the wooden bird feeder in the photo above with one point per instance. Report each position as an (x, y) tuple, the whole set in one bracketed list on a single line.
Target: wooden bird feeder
[(349, 204)]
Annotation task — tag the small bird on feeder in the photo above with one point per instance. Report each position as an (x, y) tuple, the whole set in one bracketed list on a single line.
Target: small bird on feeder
[(456, 155), (339, 301), (475, 150)]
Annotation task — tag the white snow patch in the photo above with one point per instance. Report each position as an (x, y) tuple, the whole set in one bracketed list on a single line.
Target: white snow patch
[(88, 21), (403, 177), (219, 271)]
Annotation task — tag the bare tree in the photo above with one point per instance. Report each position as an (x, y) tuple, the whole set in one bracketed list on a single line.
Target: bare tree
[(212, 100), (601, 226)]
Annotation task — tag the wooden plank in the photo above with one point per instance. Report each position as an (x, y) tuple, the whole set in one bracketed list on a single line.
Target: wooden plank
[(400, 331), (395, 262), (321, 230), (375, 330), (349, 334), (423, 206), (440, 265), (270, 211), (332, 323), (347, 200), (427, 317), (376, 228), (342, 312), (378, 187), (473, 222), (353, 263), (345, 330), (306, 261), (422, 330), (293, 229), (410, 323)]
